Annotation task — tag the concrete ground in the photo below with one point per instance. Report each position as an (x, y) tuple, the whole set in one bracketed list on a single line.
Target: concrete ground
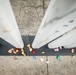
[(29, 66), (29, 14)]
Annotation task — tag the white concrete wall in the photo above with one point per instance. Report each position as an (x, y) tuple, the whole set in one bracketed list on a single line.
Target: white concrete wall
[(68, 40), (58, 14), (8, 27)]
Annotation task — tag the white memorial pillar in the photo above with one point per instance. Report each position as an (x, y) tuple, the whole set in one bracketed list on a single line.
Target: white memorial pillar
[(56, 21), (8, 27), (68, 40)]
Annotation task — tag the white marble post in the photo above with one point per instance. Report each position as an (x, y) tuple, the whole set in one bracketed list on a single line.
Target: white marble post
[(8, 27), (56, 21), (68, 40)]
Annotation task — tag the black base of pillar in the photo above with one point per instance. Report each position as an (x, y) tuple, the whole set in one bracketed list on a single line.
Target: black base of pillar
[(4, 47)]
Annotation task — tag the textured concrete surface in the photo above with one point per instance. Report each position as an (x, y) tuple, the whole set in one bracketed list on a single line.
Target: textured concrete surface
[(29, 66), (22, 66), (29, 14), (66, 66)]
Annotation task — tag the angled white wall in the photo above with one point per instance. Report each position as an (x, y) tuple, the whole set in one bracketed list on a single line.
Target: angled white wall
[(68, 40), (8, 27), (57, 17)]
